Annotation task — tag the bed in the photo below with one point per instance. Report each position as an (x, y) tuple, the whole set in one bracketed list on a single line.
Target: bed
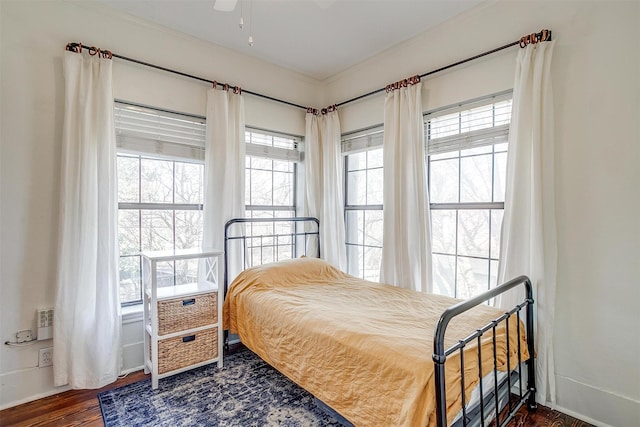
[(376, 354)]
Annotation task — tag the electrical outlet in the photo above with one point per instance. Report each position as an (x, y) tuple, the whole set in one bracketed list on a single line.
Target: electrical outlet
[(46, 357)]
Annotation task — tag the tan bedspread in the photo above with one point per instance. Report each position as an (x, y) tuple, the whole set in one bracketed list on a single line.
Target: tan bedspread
[(361, 347)]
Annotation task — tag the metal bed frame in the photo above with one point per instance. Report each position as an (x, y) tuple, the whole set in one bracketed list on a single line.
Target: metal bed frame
[(440, 353), (294, 244)]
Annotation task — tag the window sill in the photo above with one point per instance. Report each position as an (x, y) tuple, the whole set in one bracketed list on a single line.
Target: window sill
[(132, 313)]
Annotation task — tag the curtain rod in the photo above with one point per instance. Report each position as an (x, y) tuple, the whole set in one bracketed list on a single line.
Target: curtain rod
[(544, 35), (80, 46)]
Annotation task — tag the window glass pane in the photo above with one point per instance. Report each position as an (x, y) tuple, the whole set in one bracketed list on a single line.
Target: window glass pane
[(475, 179), (499, 148), (283, 165), (128, 179), (357, 188), (373, 229), (499, 176), (188, 229), (374, 158), (355, 257), (186, 271), (157, 230), (372, 257), (189, 178), (473, 277), (130, 289), (357, 161), (157, 181), (443, 229), (129, 231), (355, 224), (473, 232), (493, 276), (282, 188), (261, 187), (165, 274), (444, 274), (444, 181), (496, 230), (261, 163), (374, 186)]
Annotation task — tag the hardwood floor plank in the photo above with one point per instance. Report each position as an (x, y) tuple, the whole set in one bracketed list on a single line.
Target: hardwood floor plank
[(81, 408)]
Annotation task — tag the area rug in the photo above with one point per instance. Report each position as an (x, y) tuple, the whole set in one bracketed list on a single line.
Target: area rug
[(245, 392)]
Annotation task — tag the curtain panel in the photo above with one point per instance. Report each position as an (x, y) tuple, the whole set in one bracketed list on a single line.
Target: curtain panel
[(324, 185), (406, 247), (87, 320), (223, 171), (528, 240)]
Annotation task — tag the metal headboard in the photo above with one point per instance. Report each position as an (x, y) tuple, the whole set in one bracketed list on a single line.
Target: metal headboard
[(302, 229)]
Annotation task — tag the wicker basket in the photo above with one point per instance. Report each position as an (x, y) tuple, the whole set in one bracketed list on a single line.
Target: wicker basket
[(189, 349), (186, 313)]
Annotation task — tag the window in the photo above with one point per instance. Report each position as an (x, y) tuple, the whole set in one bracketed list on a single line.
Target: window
[(363, 202), (270, 192), (467, 156), (160, 191)]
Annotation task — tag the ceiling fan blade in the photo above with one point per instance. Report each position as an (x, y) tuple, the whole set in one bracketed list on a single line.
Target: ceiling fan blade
[(224, 5)]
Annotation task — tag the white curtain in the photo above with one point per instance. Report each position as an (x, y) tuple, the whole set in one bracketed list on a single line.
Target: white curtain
[(406, 248), (324, 184), (224, 166), (87, 311), (528, 242)]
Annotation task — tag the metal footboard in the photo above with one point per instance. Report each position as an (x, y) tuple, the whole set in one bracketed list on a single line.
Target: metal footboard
[(440, 354)]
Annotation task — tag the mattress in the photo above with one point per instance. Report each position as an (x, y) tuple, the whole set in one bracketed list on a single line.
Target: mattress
[(363, 348)]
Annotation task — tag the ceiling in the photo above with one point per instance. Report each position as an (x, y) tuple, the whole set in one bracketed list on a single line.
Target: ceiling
[(318, 38)]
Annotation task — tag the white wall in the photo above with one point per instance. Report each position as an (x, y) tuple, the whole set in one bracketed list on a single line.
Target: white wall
[(596, 71), (33, 37)]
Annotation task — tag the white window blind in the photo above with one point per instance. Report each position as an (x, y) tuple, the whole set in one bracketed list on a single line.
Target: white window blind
[(362, 140), (274, 145), (161, 134), (469, 125)]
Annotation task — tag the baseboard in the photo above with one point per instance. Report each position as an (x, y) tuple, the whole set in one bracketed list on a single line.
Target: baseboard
[(593, 405), (21, 386)]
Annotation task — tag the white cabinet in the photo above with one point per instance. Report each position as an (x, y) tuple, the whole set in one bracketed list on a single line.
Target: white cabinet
[(182, 311)]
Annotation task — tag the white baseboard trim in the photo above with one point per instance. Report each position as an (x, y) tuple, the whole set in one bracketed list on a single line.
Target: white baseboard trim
[(61, 389), (595, 405), (581, 417)]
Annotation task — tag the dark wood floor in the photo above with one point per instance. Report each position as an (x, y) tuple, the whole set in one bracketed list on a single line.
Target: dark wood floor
[(81, 408)]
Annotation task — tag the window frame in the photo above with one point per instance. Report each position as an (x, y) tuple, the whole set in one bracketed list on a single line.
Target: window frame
[(457, 207), (141, 143), (353, 143)]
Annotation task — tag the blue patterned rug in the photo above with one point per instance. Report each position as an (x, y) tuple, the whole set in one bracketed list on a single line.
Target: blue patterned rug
[(245, 392)]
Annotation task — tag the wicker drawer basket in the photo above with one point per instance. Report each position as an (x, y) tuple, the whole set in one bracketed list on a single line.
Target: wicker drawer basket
[(189, 349), (185, 313)]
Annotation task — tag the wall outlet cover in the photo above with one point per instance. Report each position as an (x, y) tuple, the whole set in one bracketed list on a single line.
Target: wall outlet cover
[(45, 357)]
